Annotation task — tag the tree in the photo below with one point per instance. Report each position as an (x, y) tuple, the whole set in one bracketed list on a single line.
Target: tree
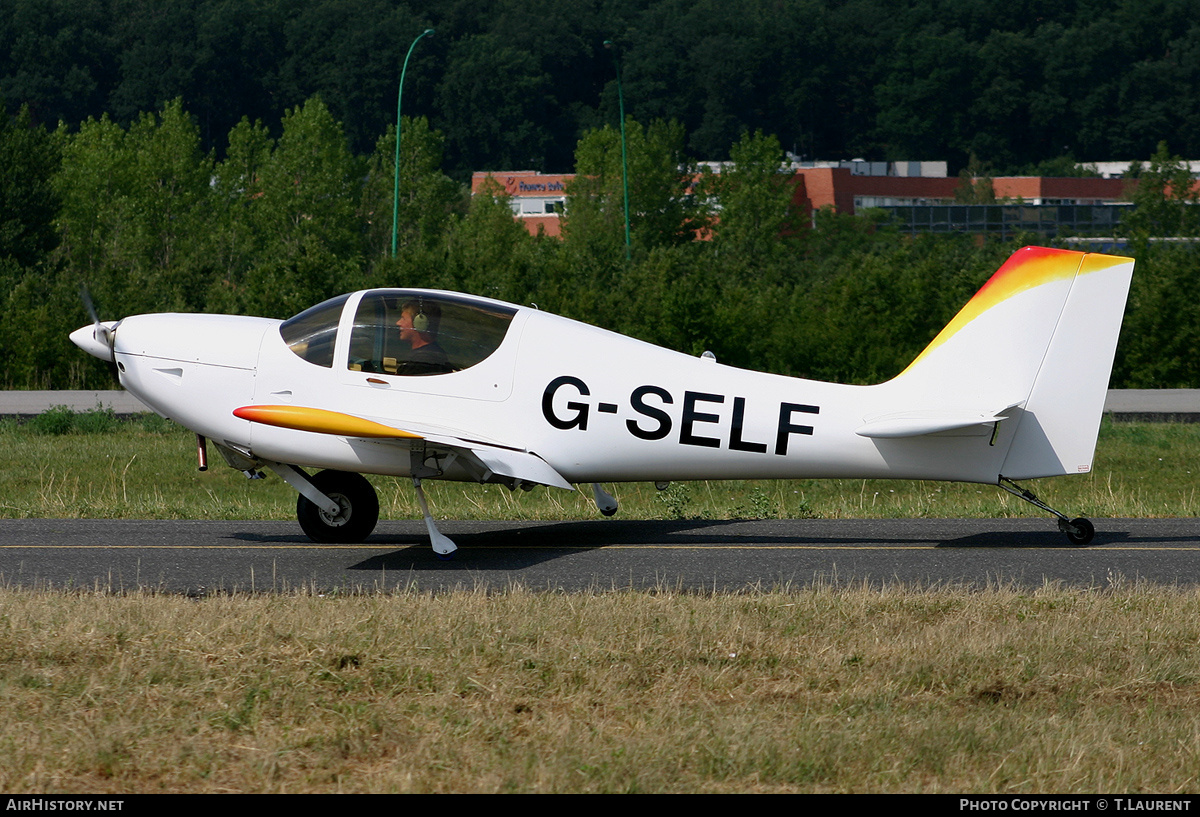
[(1160, 339), (57, 57), (159, 56), (753, 196), (303, 214), (92, 183), (661, 211), (427, 198), (237, 189), (494, 102), (1165, 196), (488, 251), (133, 208), (975, 184), (924, 100), (308, 186), (349, 52), (169, 204), (29, 157)]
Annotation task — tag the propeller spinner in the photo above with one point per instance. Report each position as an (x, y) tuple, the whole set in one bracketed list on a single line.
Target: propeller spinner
[(97, 338)]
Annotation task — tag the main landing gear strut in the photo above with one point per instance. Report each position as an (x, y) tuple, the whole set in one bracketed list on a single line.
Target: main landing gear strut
[(1079, 530), (340, 506)]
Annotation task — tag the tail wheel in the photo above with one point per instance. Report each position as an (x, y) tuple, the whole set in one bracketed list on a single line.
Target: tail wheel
[(358, 508), (1081, 531)]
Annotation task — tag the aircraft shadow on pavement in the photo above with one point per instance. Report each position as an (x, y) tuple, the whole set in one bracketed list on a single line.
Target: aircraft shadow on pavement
[(517, 546), (512, 546), (1030, 540)]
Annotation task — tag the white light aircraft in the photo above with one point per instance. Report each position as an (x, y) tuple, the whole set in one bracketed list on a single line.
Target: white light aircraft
[(438, 385)]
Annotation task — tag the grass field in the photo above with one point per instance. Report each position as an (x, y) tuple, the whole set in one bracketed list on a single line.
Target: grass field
[(893, 689), (93, 465)]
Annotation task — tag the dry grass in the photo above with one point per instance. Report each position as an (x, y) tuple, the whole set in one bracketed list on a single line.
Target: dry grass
[(894, 690)]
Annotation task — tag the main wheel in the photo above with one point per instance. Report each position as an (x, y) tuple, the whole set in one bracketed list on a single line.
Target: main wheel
[(358, 508), (1082, 531)]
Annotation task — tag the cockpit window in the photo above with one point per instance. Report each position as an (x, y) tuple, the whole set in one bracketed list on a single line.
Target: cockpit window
[(312, 333), (418, 333)]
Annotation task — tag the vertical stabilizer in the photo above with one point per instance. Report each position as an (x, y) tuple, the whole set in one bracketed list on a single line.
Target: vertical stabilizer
[(1057, 430), (1030, 354), (988, 357)]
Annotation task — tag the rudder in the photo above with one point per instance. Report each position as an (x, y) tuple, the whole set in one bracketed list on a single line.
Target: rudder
[(1060, 420)]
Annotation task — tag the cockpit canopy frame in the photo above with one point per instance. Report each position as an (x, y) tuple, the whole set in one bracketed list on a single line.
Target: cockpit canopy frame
[(402, 332)]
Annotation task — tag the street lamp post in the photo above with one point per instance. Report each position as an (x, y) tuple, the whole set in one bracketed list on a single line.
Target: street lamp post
[(399, 98), (611, 46)]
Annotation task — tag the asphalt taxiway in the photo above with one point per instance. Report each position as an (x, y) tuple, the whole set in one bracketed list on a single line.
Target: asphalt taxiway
[(201, 558)]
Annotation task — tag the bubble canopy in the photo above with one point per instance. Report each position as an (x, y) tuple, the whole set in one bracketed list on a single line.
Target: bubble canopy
[(402, 332)]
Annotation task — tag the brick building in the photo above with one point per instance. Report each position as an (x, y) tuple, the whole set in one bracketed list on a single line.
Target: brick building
[(900, 187)]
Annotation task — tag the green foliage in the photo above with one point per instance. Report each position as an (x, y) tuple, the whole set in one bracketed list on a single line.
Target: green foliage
[(152, 222), (234, 242), (1160, 340), (675, 500), (975, 184), (1166, 198), (134, 208), (661, 213), (290, 216), (308, 184), (427, 198), (59, 420), (29, 158), (1059, 167), (98, 420), (495, 100), (755, 215), (55, 420), (36, 315), (488, 252), (511, 81)]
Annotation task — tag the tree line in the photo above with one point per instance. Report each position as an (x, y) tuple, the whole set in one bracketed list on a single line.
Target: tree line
[(150, 220), (513, 84)]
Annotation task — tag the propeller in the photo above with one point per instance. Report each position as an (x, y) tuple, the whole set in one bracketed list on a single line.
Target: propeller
[(99, 338), (101, 332)]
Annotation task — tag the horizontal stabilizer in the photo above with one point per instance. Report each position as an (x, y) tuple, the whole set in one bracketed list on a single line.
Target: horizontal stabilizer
[(921, 423)]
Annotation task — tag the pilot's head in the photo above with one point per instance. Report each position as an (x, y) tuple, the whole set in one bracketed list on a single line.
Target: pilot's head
[(418, 322)]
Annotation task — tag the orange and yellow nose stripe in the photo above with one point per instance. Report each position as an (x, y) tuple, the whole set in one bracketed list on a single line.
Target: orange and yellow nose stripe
[(319, 421), (1027, 268)]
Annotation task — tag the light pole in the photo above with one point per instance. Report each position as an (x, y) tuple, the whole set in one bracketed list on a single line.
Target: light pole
[(611, 46), (399, 98)]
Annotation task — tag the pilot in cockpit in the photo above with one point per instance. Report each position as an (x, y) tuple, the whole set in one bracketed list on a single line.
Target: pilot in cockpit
[(418, 325)]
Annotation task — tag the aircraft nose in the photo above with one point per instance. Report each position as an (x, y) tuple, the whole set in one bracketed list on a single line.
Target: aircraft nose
[(94, 338)]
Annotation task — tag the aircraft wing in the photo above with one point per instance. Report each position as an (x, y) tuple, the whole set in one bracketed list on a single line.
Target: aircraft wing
[(489, 457)]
